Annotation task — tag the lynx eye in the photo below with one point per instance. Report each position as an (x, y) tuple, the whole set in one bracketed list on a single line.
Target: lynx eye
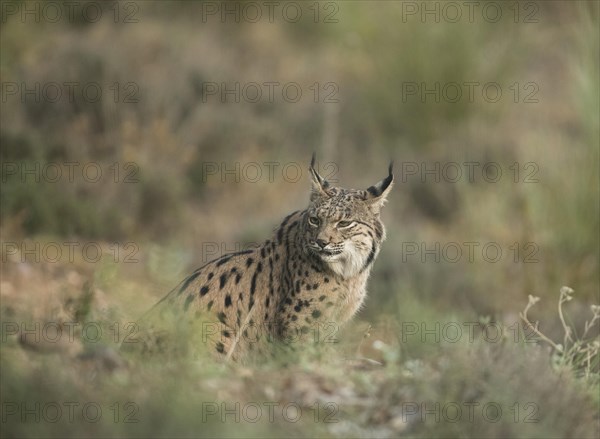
[(313, 220), (344, 224)]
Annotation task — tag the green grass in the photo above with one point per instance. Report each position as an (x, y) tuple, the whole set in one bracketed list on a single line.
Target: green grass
[(470, 386)]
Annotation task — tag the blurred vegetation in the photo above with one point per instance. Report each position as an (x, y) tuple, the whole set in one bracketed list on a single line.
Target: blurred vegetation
[(173, 207)]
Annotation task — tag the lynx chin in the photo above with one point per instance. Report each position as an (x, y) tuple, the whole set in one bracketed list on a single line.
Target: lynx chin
[(312, 270)]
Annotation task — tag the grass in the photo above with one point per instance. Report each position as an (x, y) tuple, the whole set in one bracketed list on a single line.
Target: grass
[(578, 354), (425, 383)]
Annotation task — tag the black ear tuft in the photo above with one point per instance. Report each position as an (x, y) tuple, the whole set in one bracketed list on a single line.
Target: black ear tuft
[(377, 193), (319, 184), (373, 191)]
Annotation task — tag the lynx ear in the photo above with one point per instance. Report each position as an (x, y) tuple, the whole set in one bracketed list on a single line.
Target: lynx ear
[(319, 184), (377, 194)]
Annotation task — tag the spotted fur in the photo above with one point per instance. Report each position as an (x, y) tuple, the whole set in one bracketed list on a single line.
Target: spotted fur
[(313, 270)]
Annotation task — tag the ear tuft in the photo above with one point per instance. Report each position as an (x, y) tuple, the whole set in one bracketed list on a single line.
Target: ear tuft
[(377, 194), (319, 184)]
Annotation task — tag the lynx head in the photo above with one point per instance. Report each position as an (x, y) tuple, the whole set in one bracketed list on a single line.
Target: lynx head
[(342, 227)]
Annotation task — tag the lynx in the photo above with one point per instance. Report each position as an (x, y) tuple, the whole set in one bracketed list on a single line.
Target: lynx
[(312, 270)]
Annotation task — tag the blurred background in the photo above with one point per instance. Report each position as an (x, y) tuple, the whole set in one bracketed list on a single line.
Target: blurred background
[(373, 66), (511, 84)]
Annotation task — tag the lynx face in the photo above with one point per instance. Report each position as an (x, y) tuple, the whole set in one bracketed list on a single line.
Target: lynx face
[(342, 227)]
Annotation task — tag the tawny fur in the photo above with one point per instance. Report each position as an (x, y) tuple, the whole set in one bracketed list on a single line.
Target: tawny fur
[(312, 271)]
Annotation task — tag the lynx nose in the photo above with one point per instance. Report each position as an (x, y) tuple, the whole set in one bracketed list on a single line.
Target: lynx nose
[(321, 243)]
